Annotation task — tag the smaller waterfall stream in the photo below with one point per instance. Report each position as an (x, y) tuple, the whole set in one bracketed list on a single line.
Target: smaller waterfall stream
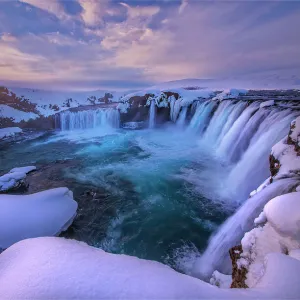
[(88, 119), (181, 120), (152, 115)]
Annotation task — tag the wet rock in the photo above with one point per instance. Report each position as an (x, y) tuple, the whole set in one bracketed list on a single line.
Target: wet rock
[(238, 274)]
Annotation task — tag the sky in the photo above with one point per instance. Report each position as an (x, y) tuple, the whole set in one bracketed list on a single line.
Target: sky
[(131, 44)]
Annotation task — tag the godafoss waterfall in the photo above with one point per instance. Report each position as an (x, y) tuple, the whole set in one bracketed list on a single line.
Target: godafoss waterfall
[(163, 192)]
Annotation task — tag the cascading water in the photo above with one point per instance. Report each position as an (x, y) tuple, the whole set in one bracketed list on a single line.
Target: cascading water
[(182, 116), (202, 116), (89, 119), (152, 115), (216, 256), (242, 136)]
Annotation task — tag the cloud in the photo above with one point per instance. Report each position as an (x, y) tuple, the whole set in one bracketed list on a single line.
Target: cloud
[(208, 40), (6, 37), (183, 5), (93, 11), (51, 6)]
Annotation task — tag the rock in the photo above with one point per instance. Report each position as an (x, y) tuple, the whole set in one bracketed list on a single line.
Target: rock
[(238, 273), (15, 179)]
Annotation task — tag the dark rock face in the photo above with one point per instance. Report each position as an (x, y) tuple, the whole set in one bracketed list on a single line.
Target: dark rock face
[(238, 274), (274, 165)]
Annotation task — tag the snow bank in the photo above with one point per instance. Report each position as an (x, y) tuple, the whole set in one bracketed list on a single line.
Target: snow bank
[(221, 280), (281, 277), (267, 103), (15, 178), (283, 213), (17, 115), (9, 131), (56, 268), (42, 214)]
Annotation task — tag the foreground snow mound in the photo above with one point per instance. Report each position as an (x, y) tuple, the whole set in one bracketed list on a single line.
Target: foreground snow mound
[(15, 178), (283, 213), (9, 131), (56, 268), (42, 214)]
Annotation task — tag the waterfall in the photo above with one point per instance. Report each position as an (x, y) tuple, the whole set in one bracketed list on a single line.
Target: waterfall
[(216, 256), (87, 119), (181, 120), (202, 116), (242, 136), (152, 114), (237, 127)]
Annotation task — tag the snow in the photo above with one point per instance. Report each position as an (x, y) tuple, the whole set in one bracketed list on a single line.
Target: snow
[(26, 170), (56, 268), (286, 154), (281, 277), (261, 187), (261, 219), (230, 94), (267, 103), (17, 115), (9, 131), (221, 280), (11, 180), (45, 213), (298, 188), (280, 234), (14, 178), (283, 213), (295, 134), (123, 107), (295, 254)]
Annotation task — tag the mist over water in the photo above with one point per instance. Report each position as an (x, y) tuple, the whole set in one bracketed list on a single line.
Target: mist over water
[(160, 193)]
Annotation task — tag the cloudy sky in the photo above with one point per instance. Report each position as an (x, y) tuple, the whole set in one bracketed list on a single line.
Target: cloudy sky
[(108, 44)]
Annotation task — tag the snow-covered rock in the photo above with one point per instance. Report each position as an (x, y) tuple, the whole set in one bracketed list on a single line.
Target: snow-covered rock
[(283, 213), (230, 94), (280, 234), (45, 213), (15, 178), (25, 170), (267, 103), (17, 115), (285, 158), (221, 280), (9, 131)]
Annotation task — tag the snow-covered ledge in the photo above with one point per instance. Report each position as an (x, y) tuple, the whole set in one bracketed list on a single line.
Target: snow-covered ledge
[(46, 213), (15, 178), (9, 132)]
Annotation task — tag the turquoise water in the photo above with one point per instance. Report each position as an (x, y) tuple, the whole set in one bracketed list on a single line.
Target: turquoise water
[(154, 194)]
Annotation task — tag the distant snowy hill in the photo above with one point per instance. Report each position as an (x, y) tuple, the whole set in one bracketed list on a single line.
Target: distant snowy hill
[(256, 83), (17, 104)]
